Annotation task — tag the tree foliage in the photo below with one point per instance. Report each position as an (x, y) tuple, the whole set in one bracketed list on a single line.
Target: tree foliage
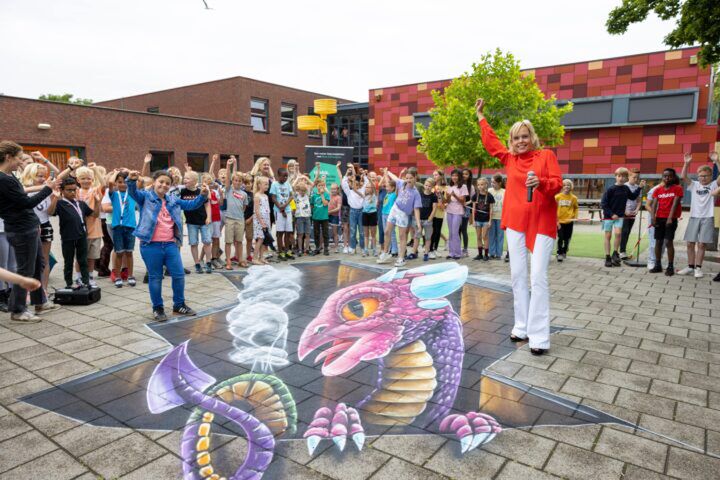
[(697, 22), (453, 136), (65, 98)]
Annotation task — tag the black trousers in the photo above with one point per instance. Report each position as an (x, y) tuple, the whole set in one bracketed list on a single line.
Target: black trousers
[(30, 263), (564, 235), (437, 232), (103, 264), (464, 233), (320, 227), (70, 250), (628, 223)]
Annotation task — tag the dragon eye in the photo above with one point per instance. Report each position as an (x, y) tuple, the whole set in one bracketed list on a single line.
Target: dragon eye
[(359, 309)]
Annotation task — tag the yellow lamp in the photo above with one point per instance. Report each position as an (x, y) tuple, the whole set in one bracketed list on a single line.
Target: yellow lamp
[(308, 122), (325, 107)]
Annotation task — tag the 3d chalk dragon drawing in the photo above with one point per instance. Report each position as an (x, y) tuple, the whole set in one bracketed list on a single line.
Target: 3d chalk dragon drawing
[(401, 320), (404, 322)]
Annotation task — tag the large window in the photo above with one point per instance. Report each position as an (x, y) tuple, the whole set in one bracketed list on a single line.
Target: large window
[(161, 161), (589, 113), (670, 107), (259, 114), (198, 161), (349, 128), (287, 118), (421, 118)]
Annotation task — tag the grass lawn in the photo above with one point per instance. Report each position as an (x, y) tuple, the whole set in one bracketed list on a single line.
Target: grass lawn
[(587, 244)]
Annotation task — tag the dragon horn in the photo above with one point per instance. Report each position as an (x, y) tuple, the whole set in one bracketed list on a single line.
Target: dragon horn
[(438, 285), (176, 367)]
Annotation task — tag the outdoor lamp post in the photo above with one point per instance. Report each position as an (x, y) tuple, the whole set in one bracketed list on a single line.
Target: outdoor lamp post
[(323, 107)]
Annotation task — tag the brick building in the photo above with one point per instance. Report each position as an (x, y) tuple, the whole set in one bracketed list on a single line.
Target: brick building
[(641, 111), (235, 116)]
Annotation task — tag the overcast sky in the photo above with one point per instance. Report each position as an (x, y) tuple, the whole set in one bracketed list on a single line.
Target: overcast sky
[(104, 49)]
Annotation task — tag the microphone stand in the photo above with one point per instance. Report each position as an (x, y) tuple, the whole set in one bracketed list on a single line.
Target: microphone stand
[(636, 262)]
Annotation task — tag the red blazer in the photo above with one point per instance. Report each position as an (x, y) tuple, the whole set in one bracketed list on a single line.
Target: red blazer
[(540, 215)]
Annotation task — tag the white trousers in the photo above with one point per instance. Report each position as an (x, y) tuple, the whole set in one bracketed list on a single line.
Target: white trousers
[(532, 310)]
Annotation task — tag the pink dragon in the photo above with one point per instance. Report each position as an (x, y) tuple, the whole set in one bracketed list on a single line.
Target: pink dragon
[(404, 322)]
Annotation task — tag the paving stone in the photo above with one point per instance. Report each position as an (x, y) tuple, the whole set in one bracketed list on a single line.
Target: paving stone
[(97, 353), (576, 369), (587, 389), (699, 416), (574, 463), (624, 380), (632, 449), (514, 471), (700, 381), (123, 456), (645, 403), (593, 345), (527, 447), (606, 361), (14, 375), (475, 464), (56, 465), (661, 347), (86, 438), (540, 378), (679, 392), (636, 354), (655, 371), (167, 466), (23, 448), (582, 436), (12, 426), (17, 344), (683, 364), (695, 466), (285, 468), (349, 464), (618, 339), (51, 423), (413, 448), (677, 431), (636, 473), (399, 469)]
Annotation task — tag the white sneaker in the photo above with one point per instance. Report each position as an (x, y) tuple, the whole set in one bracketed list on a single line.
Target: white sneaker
[(698, 273), (687, 271), (346, 250), (383, 258), (432, 255), (364, 253), (337, 250), (46, 307), (25, 317), (400, 262), (650, 265), (92, 282)]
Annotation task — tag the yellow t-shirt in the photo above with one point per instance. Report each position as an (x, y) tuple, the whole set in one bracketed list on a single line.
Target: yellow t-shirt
[(567, 209)]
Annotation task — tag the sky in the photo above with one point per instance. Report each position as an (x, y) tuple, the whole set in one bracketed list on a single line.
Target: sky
[(103, 49)]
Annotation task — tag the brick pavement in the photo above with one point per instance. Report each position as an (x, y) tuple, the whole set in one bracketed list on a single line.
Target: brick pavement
[(646, 349)]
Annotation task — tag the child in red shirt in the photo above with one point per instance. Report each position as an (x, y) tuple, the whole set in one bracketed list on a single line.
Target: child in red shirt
[(666, 211)]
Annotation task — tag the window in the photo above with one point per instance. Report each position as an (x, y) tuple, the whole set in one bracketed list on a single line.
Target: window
[(258, 114), (153, 109), (161, 161), (256, 156), (589, 113), (287, 118), (658, 108), (313, 133), (198, 161), (224, 157), (421, 118)]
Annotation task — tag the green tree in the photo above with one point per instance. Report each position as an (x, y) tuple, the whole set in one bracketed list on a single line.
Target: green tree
[(697, 22), (453, 136), (66, 98)]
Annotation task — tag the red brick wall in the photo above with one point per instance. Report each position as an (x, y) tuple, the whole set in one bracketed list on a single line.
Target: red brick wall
[(586, 151), (229, 100), (115, 138)]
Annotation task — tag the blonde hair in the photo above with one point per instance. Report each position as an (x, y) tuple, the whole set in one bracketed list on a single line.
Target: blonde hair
[(257, 168), (483, 180), (100, 172), (206, 178), (30, 173), (192, 176), (567, 181), (623, 172), (701, 168), (239, 176), (516, 128), (175, 175), (85, 172), (256, 184)]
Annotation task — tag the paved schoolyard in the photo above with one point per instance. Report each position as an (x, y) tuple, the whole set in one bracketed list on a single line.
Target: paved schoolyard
[(644, 348)]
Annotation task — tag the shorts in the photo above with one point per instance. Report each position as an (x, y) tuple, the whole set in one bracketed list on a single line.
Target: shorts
[(333, 220), (46, 232), (345, 214), (283, 223), (481, 224), (610, 225), (302, 224), (663, 231), (203, 230), (700, 230), (94, 248), (398, 217), (123, 239), (369, 219), (216, 229), (234, 230)]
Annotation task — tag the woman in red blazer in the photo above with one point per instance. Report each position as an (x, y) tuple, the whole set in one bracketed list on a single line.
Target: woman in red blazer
[(529, 225)]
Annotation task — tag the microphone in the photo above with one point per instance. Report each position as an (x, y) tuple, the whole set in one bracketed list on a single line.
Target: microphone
[(530, 189)]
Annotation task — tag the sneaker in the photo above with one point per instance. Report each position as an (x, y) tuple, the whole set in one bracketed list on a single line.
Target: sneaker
[(198, 268), (4, 308), (364, 252), (187, 271), (326, 252), (208, 267), (234, 260), (698, 273), (426, 257), (118, 283), (159, 314), (289, 255), (478, 257), (183, 309), (131, 281), (400, 262), (486, 258), (564, 256), (608, 262), (670, 271), (507, 257), (78, 283), (338, 250), (559, 257), (432, 255), (92, 282), (217, 264), (657, 268), (465, 254), (383, 258), (281, 257), (411, 256), (686, 271), (346, 250), (624, 256), (650, 265), (615, 259), (46, 307), (716, 278), (25, 317), (124, 273)]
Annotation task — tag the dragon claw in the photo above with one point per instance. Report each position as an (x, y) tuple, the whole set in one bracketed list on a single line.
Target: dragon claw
[(472, 429), (336, 425)]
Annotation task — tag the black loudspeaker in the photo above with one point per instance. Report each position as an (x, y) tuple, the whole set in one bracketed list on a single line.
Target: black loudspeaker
[(81, 296)]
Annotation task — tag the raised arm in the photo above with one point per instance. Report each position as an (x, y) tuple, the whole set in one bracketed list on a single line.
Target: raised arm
[(716, 160), (146, 165), (687, 158), (228, 177), (214, 164), (40, 158), (489, 138), (137, 195)]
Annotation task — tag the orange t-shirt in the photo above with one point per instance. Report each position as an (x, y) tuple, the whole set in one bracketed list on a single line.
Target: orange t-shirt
[(94, 227), (165, 226), (540, 215)]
